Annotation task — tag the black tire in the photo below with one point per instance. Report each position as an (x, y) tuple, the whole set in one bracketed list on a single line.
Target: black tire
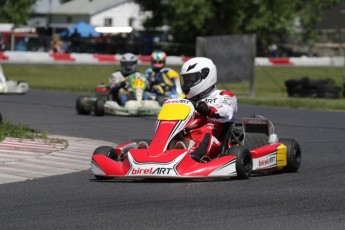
[(255, 140), (293, 154), (295, 91), (81, 105), (328, 91), (99, 107), (309, 84), (108, 152), (0, 118), (294, 82), (244, 161)]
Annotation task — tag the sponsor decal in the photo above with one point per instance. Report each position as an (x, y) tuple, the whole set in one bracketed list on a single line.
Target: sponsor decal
[(168, 122), (268, 161), (180, 101), (151, 171), (210, 100), (154, 169)]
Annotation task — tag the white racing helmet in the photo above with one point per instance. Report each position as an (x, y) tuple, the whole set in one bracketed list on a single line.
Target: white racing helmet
[(197, 76), (128, 63)]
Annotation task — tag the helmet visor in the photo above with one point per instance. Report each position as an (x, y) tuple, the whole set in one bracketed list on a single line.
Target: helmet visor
[(158, 63), (128, 66), (191, 79)]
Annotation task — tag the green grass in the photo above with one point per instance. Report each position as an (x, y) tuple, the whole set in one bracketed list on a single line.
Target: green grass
[(270, 89), (269, 85), (20, 131)]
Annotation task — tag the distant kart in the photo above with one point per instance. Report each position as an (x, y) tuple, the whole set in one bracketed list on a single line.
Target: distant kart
[(162, 92), (11, 87), (249, 147), (135, 105)]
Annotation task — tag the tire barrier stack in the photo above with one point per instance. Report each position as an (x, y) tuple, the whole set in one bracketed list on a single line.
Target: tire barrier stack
[(306, 87)]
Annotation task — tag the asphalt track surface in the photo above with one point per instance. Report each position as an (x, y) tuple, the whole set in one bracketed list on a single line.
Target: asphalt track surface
[(313, 198)]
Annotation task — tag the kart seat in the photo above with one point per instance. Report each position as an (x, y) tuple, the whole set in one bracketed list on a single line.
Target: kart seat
[(257, 130)]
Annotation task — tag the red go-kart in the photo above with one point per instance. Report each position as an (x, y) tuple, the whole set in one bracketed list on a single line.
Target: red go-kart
[(249, 147)]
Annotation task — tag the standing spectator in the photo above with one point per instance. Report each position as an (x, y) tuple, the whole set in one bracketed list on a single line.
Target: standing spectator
[(2, 45), (56, 44), (272, 50), (75, 40)]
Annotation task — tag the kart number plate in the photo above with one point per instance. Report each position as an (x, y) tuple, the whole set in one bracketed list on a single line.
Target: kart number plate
[(138, 83)]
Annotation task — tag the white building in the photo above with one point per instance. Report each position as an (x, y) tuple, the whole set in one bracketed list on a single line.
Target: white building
[(98, 13)]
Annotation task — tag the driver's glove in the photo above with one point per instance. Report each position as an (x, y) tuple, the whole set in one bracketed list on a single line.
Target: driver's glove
[(203, 108), (123, 84)]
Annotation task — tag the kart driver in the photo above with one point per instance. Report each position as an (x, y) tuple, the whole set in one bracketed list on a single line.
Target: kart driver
[(119, 85), (162, 79), (216, 108)]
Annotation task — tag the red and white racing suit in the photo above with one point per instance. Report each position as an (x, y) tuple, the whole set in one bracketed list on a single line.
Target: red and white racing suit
[(206, 131)]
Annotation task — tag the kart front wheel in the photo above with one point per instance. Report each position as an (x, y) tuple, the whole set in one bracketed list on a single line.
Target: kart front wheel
[(108, 152), (293, 154), (99, 107), (244, 161)]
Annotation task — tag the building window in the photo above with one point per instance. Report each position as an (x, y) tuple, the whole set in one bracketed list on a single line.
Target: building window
[(131, 22), (69, 19), (108, 21)]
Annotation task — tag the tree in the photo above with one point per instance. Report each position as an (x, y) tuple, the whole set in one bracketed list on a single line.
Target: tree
[(271, 20), (16, 12)]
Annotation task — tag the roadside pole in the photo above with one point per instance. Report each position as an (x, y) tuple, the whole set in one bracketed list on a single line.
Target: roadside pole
[(343, 49), (13, 40)]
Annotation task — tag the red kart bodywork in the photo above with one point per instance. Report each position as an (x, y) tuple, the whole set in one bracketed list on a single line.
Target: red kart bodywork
[(178, 163), (160, 160)]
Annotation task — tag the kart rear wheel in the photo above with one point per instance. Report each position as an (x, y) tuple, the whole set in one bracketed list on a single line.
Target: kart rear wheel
[(81, 105), (107, 151), (99, 107), (293, 154), (244, 161)]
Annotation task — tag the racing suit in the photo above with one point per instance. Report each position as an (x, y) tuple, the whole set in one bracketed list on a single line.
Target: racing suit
[(164, 80), (207, 131), (119, 85)]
